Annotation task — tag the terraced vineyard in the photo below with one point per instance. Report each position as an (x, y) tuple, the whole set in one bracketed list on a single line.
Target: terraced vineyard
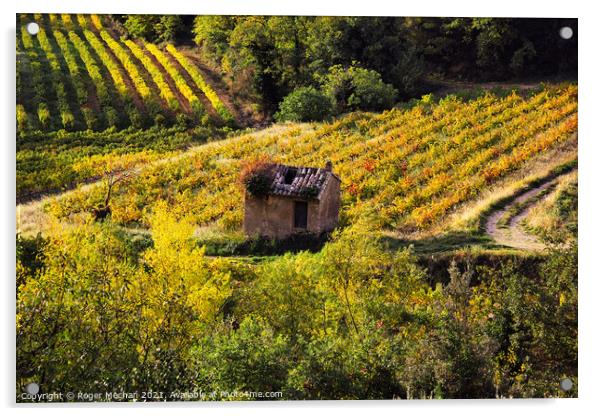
[(413, 166), (78, 74)]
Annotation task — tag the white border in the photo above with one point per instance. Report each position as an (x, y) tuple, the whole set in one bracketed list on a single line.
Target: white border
[(553, 8), (590, 161)]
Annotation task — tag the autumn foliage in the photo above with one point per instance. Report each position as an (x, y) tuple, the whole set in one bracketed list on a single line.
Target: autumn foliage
[(256, 176)]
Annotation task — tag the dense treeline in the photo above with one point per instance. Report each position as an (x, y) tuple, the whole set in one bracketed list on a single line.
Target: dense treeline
[(265, 58), (97, 311), (272, 55)]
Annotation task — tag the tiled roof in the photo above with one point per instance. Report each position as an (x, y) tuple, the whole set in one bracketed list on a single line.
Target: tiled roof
[(300, 182)]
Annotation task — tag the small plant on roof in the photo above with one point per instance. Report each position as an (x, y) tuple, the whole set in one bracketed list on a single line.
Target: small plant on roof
[(256, 176)]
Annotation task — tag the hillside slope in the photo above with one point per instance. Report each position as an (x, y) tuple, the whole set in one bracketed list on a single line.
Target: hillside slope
[(411, 167)]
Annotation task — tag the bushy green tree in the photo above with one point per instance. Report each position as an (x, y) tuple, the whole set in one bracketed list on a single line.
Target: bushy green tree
[(246, 357), (72, 330), (355, 88), (533, 319), (304, 104), (493, 48), (272, 56), (277, 54), (154, 28), (212, 33), (334, 367), (358, 320), (167, 28), (97, 318), (288, 293), (140, 26)]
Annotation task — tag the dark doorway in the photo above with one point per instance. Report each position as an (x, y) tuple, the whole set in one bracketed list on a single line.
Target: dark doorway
[(300, 214)]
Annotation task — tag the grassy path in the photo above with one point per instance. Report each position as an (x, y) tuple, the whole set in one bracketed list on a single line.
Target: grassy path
[(504, 225)]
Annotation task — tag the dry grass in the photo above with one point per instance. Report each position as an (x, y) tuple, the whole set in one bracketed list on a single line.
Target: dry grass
[(31, 219), (468, 215), (542, 215)]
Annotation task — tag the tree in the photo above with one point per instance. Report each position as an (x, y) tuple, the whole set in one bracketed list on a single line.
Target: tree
[(463, 343), (212, 33), (114, 173), (356, 88), (167, 28), (493, 48), (73, 331), (153, 28), (140, 26), (278, 54), (289, 294), (304, 104), (95, 315), (351, 263), (180, 294), (250, 358)]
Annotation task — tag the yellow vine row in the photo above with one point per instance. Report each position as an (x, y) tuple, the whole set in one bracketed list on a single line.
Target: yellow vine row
[(176, 76), (156, 74), (197, 77)]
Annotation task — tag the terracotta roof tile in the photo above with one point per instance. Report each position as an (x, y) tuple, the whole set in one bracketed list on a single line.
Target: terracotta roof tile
[(300, 182)]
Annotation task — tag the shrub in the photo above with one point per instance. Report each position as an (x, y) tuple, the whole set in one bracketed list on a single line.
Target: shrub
[(44, 115), (356, 88), (160, 120), (251, 358), (67, 119), (182, 120), (21, 118), (256, 177), (258, 184), (90, 118), (136, 118), (112, 117), (305, 104)]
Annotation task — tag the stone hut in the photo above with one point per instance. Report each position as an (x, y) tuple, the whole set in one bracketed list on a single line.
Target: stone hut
[(300, 200)]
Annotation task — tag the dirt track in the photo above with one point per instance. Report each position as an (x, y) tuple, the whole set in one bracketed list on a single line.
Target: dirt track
[(514, 235)]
